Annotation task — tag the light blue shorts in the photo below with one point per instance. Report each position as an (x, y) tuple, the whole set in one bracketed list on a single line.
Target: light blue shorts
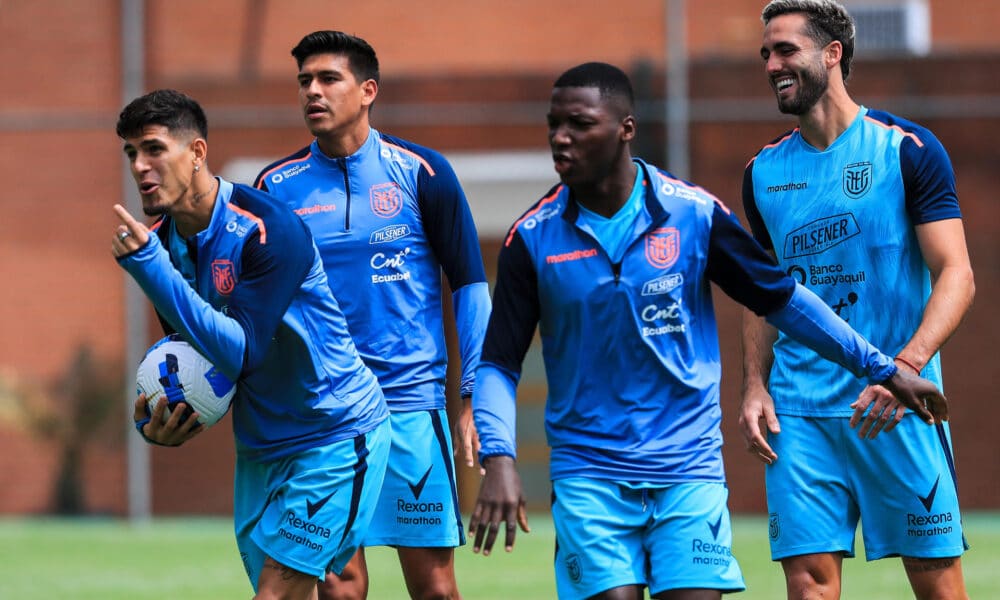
[(309, 511), (610, 534), (901, 486), (418, 504)]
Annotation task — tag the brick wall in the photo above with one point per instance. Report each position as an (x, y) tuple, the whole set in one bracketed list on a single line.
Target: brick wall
[(61, 166)]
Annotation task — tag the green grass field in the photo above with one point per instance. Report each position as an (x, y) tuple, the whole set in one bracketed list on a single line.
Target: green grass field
[(96, 559)]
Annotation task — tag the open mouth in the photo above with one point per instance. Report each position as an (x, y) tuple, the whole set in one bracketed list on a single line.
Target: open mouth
[(783, 83), (148, 187), (315, 110)]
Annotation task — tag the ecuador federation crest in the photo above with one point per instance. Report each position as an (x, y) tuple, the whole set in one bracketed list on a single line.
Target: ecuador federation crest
[(857, 179), (223, 276), (663, 247), (386, 199)]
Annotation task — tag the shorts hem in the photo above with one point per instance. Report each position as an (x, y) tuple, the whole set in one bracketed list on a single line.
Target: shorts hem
[(696, 585), (950, 552), (408, 543), (793, 552)]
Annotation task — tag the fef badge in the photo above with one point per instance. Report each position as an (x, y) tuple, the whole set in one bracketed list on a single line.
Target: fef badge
[(663, 247), (386, 200), (223, 276), (857, 179)]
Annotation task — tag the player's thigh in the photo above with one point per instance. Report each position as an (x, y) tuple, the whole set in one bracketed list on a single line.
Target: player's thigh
[(813, 575), (309, 511), (689, 540), (934, 578), (279, 581), (429, 572), (350, 584), (907, 493), (418, 503), (810, 501), (599, 527)]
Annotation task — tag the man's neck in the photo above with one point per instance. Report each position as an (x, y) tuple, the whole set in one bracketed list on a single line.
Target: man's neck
[(829, 118), (341, 144), (606, 197), (197, 210)]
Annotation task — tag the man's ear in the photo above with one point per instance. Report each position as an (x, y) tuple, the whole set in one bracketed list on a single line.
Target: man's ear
[(369, 89), (628, 128), (199, 150), (832, 54)]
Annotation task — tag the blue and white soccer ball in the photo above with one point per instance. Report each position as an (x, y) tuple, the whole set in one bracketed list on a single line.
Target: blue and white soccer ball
[(173, 368)]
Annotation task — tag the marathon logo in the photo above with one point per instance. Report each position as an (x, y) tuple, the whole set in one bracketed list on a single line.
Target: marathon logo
[(791, 186), (569, 256)]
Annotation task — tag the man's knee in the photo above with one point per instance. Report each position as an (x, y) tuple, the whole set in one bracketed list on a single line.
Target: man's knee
[(812, 576)]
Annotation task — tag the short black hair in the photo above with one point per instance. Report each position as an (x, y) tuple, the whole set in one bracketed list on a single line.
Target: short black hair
[(176, 111), (609, 79), (360, 55), (827, 20)]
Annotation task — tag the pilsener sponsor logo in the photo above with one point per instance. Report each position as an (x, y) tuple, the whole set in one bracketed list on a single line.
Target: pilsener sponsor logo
[(820, 235), (662, 285), (390, 233)]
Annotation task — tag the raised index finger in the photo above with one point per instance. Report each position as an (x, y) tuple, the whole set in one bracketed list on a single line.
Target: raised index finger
[(127, 219)]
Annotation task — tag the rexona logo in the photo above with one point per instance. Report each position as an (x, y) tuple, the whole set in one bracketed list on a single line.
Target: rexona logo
[(820, 235), (302, 532), (389, 233), (932, 523), (711, 552), (418, 513)]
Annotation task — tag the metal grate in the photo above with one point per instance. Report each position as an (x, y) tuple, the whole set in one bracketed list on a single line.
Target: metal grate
[(901, 27)]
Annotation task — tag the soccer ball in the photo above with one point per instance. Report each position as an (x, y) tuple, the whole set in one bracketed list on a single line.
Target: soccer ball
[(173, 368)]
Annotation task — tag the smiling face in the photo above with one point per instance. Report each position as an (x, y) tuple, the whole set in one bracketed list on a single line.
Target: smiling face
[(334, 103), (163, 166), (588, 134), (794, 63)]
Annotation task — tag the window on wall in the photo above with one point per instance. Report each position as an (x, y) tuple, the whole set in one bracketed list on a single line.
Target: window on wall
[(892, 26)]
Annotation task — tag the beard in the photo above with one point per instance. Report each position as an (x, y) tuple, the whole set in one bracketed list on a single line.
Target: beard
[(812, 86)]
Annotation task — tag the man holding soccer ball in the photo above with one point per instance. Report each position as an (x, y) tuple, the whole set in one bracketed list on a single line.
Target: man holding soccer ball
[(238, 276)]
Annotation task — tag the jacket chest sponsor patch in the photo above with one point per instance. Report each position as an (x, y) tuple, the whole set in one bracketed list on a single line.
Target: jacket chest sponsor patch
[(663, 247), (223, 276), (820, 235), (386, 199)]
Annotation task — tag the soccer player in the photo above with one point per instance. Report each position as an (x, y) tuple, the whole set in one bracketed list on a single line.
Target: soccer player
[(238, 276), (614, 266), (388, 217), (860, 206)]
